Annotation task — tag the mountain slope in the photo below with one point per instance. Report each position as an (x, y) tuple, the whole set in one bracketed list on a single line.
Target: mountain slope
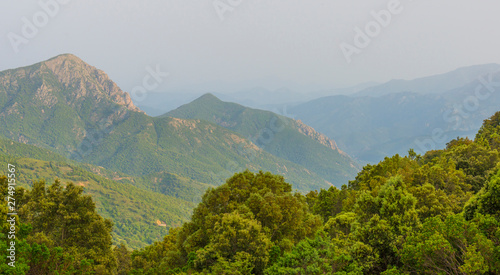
[(133, 210), (281, 136), (202, 151)]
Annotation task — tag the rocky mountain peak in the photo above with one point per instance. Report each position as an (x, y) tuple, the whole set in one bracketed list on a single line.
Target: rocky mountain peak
[(82, 80)]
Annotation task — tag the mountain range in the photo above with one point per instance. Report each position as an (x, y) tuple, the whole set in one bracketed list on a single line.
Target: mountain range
[(157, 103), (74, 109), (63, 118), (371, 120)]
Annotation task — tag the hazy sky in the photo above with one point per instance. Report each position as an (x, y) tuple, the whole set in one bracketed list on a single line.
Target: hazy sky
[(245, 43)]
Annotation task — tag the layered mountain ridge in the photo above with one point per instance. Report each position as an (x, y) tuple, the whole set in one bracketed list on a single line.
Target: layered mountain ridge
[(393, 117), (76, 110)]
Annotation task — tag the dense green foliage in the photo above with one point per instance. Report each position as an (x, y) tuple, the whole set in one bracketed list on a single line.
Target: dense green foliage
[(57, 231), (432, 214), (276, 134), (238, 224)]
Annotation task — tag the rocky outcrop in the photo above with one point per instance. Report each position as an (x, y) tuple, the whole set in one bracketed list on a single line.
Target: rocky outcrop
[(83, 80), (313, 134)]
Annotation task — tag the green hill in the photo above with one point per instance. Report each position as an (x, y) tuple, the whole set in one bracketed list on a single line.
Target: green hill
[(64, 119), (281, 136)]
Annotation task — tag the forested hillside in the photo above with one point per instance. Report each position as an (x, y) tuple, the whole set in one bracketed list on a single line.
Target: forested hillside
[(431, 214), (134, 204)]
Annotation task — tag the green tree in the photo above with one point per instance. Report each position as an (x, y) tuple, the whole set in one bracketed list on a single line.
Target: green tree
[(452, 246), (217, 235), (329, 203), (235, 238), (69, 220), (314, 256), (123, 258), (476, 160), (487, 201), (490, 131)]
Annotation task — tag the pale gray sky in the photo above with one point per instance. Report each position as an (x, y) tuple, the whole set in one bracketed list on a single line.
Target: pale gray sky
[(280, 42)]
